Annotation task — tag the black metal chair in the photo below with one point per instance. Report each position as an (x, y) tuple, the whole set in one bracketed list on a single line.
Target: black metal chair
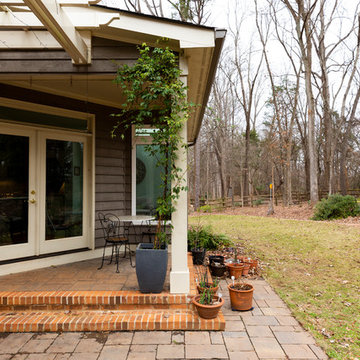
[(116, 233)]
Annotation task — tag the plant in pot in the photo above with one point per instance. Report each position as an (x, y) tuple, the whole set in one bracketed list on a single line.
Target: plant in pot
[(235, 267), (208, 304), (241, 295), (156, 97), (195, 239), (203, 283), (217, 269)]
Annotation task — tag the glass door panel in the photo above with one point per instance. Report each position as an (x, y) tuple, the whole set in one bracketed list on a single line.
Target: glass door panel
[(16, 231), (64, 189), (14, 189), (63, 224)]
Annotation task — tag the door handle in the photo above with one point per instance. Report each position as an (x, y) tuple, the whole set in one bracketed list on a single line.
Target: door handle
[(32, 201)]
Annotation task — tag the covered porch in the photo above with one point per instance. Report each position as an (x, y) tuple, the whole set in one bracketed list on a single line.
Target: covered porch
[(56, 71)]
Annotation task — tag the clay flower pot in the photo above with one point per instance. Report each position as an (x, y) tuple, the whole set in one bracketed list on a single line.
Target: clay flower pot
[(208, 311), (241, 299), (235, 269), (208, 286), (253, 262), (246, 269)]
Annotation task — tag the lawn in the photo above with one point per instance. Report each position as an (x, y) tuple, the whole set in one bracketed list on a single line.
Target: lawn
[(313, 266)]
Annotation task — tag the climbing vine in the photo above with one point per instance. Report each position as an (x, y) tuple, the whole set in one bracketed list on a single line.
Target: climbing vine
[(155, 96)]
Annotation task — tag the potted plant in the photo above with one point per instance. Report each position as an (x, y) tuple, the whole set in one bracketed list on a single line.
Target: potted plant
[(203, 284), (195, 239), (241, 295), (235, 267), (207, 304), (155, 95), (217, 269)]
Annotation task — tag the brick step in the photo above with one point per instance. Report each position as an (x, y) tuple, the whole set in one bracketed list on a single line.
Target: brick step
[(107, 320), (90, 300)]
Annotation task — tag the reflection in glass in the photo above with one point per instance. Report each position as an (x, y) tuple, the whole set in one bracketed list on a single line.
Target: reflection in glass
[(148, 181), (64, 189), (14, 189)]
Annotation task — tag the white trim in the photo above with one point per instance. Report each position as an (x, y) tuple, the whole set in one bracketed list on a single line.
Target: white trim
[(49, 246), (37, 157)]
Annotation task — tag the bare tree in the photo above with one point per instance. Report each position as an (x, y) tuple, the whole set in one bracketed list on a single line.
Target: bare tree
[(301, 13), (245, 77)]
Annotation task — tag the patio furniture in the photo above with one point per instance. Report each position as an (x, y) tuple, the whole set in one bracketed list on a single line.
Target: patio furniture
[(116, 234)]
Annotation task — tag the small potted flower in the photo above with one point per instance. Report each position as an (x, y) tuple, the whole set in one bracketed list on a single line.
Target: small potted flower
[(207, 304)]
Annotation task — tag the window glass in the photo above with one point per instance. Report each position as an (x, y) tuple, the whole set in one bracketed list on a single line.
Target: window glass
[(64, 189), (148, 181)]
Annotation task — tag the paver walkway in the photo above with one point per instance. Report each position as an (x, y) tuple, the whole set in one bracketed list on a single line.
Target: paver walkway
[(267, 332)]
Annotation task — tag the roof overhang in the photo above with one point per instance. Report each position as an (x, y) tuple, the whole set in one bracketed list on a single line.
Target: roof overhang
[(71, 24)]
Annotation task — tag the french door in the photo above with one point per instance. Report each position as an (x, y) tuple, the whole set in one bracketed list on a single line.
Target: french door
[(43, 202)]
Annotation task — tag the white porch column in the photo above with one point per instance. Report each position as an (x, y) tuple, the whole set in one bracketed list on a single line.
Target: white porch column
[(179, 275)]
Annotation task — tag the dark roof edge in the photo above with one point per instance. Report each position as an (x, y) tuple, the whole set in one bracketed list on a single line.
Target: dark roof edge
[(154, 17), (220, 35)]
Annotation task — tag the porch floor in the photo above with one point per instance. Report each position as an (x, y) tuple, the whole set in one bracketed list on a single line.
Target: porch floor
[(82, 275)]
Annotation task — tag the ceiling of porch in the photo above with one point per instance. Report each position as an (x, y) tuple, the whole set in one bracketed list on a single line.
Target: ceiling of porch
[(72, 25)]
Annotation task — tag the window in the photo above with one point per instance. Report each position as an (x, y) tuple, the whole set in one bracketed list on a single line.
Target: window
[(146, 180)]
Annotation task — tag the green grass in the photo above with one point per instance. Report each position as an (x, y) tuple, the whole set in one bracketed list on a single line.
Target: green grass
[(313, 266)]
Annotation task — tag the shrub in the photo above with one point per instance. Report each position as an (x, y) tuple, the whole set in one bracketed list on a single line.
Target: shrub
[(257, 202), (203, 237), (336, 207), (205, 208)]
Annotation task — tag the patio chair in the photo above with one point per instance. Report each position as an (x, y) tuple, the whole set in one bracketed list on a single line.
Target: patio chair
[(116, 234)]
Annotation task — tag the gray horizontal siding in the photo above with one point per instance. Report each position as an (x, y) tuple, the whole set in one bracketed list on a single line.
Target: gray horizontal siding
[(106, 56), (112, 173)]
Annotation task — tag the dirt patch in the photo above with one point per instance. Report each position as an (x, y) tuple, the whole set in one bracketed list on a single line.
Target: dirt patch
[(294, 212)]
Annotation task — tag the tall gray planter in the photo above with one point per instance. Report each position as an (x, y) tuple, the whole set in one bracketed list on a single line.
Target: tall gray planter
[(151, 267)]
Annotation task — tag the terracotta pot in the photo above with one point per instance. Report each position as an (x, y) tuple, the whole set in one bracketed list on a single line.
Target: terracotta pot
[(246, 269), (217, 270), (253, 262), (211, 288), (208, 311), (235, 269), (241, 299)]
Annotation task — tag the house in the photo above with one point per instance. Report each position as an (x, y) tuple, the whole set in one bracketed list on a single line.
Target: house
[(58, 163)]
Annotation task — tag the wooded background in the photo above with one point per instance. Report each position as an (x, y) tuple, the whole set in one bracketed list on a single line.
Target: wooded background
[(284, 105)]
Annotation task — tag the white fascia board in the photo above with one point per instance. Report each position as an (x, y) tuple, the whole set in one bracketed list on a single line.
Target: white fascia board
[(188, 36), (89, 18), (59, 25)]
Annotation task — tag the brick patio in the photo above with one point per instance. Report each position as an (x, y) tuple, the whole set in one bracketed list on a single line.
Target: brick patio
[(267, 332)]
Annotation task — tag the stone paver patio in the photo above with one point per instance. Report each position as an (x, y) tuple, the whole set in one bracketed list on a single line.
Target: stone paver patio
[(267, 332)]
